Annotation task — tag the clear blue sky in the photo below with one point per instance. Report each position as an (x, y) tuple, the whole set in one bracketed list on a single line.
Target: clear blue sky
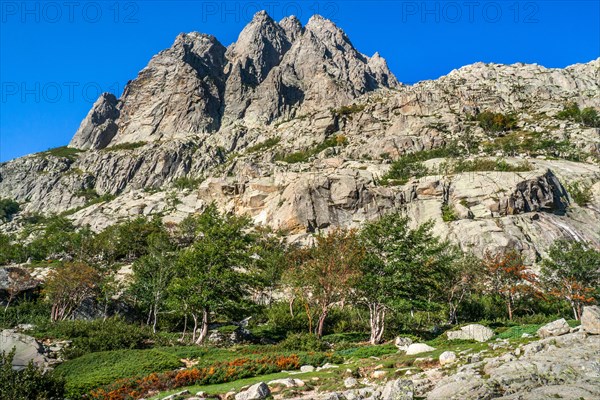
[(55, 57)]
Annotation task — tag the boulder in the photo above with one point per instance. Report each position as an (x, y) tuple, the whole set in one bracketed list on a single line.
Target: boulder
[(307, 368), (258, 391), (402, 343), (590, 320), (26, 349), (418, 348), (398, 390), (350, 382), (475, 332), (378, 374), (555, 328), (447, 357)]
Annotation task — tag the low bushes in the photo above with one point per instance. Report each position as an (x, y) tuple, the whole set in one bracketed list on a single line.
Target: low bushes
[(219, 372), (93, 370), (27, 384), (305, 155), (97, 335)]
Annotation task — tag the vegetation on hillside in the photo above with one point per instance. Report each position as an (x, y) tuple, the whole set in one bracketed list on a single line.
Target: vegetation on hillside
[(213, 270)]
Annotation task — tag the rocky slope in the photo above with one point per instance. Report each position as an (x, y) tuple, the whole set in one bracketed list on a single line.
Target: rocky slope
[(229, 116)]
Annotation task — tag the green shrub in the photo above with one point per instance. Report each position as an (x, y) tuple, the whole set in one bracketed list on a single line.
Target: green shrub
[(588, 116), (96, 369), (305, 155), (484, 164), (349, 110), (8, 208), (496, 122), (27, 384), (25, 312), (61, 152), (97, 335), (580, 192), (267, 144), (448, 213), (125, 146), (185, 182), (368, 351), (303, 342), (411, 165)]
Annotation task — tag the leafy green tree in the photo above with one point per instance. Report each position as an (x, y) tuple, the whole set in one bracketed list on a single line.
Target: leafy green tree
[(152, 274), (27, 384), (325, 274), (68, 286), (214, 273), (405, 269), (572, 272), (507, 277), (8, 208), (463, 280)]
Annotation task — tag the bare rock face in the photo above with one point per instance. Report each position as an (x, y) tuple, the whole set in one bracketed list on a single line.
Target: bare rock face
[(295, 128), (590, 320), (178, 94), (99, 127)]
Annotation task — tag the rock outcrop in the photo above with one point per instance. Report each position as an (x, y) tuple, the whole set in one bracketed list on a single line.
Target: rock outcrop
[(252, 121)]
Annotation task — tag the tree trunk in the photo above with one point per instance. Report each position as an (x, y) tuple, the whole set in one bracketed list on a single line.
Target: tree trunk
[(377, 322), (155, 318), (185, 318), (321, 323), (195, 317), (204, 327)]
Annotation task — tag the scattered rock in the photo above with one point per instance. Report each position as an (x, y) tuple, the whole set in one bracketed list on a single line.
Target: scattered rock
[(417, 348), (258, 391), (378, 374), (555, 328), (26, 349), (402, 343), (398, 390), (590, 320), (307, 368), (476, 332), (177, 395), (350, 382), (327, 366), (447, 357)]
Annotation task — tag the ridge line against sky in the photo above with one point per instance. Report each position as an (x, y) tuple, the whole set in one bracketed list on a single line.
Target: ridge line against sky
[(50, 53)]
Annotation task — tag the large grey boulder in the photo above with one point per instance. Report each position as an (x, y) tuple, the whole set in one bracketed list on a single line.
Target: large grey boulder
[(258, 391), (27, 349), (418, 348), (590, 320), (555, 328), (400, 389), (475, 332)]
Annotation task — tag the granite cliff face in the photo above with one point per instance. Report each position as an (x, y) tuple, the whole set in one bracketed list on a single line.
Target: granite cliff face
[(231, 117)]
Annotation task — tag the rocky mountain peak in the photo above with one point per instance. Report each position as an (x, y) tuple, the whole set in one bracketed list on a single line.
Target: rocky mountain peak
[(292, 26)]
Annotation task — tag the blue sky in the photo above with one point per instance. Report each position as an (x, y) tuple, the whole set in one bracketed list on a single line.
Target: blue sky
[(56, 56)]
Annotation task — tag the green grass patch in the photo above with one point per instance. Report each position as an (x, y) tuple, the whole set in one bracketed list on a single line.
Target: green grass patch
[(186, 182), (305, 155), (580, 192), (61, 152), (125, 146), (267, 144), (96, 369), (411, 165)]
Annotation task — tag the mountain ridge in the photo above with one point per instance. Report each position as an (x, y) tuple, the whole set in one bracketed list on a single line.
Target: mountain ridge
[(295, 128)]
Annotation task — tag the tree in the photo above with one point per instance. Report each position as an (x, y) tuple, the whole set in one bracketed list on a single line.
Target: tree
[(404, 268), (18, 281), (214, 272), (152, 275), (326, 273), (8, 208), (572, 272), (462, 280), (68, 286), (508, 278), (27, 384)]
